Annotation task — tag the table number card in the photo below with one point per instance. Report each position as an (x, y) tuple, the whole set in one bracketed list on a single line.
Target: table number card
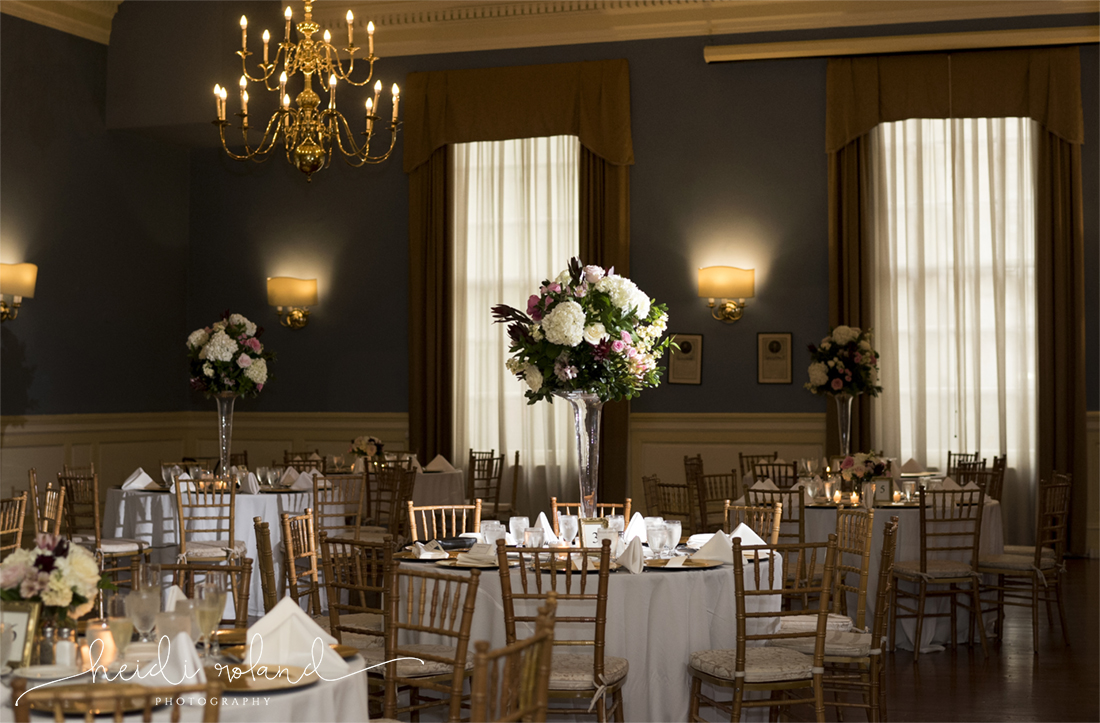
[(588, 531)]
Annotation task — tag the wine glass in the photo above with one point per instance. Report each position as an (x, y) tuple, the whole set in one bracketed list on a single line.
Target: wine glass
[(122, 627), (569, 525), (210, 605), (655, 538), (517, 526), (142, 606)]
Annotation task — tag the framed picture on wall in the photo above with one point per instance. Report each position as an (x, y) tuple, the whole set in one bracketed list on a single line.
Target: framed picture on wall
[(773, 358), (686, 366)]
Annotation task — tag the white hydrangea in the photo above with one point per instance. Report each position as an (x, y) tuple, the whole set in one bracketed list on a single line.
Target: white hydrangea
[(197, 338), (845, 334), (57, 593), (207, 369), (536, 332), (565, 324), (819, 375), (219, 348), (514, 364), (237, 320), (80, 571), (533, 377), (625, 294), (257, 372), (218, 325), (595, 333)]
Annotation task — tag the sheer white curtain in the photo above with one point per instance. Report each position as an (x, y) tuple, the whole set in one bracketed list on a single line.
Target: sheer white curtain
[(954, 299), (516, 224)]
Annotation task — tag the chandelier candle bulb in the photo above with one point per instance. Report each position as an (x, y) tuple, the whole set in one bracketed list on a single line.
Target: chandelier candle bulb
[(332, 91), (370, 119), (377, 93), (370, 39), (396, 98), (328, 37), (217, 101), (244, 33), (244, 103), (282, 83), (351, 20), (288, 15), (267, 39)]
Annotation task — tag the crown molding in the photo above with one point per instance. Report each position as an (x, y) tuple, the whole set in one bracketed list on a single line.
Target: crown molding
[(417, 27), (90, 19)]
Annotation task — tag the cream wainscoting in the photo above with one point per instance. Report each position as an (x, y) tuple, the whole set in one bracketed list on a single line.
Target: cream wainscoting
[(659, 442), (1093, 433), (119, 443)]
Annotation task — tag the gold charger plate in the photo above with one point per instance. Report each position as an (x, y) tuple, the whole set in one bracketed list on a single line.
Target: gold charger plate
[(689, 564), (240, 652), (132, 695), (240, 679), (232, 636)]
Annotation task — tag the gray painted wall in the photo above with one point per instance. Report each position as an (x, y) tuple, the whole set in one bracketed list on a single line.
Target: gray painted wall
[(730, 169)]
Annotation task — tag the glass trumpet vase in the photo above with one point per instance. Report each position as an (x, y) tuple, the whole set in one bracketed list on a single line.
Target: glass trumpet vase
[(225, 402), (587, 412), (844, 421)]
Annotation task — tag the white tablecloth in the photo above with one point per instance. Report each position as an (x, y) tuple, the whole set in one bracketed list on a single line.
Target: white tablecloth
[(336, 701), (821, 521), (655, 620), (151, 517)]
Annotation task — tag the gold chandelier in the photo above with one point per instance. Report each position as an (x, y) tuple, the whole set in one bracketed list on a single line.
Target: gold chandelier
[(310, 134)]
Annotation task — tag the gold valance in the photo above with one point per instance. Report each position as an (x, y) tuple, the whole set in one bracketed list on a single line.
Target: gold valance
[(1042, 83), (589, 100)]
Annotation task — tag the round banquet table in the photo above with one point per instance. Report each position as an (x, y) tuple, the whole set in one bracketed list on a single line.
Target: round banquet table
[(821, 521), (335, 701), (655, 620), (150, 516)]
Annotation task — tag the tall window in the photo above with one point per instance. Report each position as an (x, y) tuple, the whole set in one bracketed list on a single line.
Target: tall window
[(955, 306), (516, 223)]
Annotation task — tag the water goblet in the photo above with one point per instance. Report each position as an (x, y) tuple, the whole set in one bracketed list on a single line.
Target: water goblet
[(494, 533), (517, 526), (569, 525), (607, 533), (655, 538), (142, 606), (675, 529), (533, 537), (210, 600), (122, 627), (652, 520), (616, 523)]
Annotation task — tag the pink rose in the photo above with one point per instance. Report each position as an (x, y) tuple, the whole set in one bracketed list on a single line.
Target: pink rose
[(254, 344), (837, 384), (857, 358), (848, 462), (625, 336), (244, 361), (617, 346)]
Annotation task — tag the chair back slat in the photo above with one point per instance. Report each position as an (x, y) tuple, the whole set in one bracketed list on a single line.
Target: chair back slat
[(436, 522), (206, 511), (340, 503), (512, 683), (783, 474), (652, 501), (854, 529), (391, 489), (299, 543), (794, 510), (693, 471), (13, 511), (749, 461), (483, 474), (885, 580), (267, 563), (950, 521), (674, 502), (1053, 520), (761, 519), (116, 700), (711, 491), (355, 578), (82, 511), (955, 458), (304, 461)]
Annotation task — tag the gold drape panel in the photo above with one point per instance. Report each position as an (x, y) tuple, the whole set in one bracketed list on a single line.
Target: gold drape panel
[(1043, 84), (590, 100)]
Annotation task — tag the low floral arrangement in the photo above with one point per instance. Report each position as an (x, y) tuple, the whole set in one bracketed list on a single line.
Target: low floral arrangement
[(366, 446), (63, 577), (862, 467), (844, 363), (588, 330), (227, 356)]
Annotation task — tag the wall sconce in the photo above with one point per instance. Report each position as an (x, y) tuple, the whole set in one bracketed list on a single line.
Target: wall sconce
[(16, 281), (295, 296), (727, 283)]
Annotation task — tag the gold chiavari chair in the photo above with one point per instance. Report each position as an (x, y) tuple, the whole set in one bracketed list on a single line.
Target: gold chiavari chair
[(762, 520), (442, 669), (954, 458), (950, 524), (693, 471), (749, 461), (675, 503), (603, 509), (854, 530), (793, 506), (340, 504), (267, 563), (207, 522), (572, 675), (989, 481), (711, 492), (783, 474), (13, 511), (76, 470), (304, 461), (649, 484), (238, 574), (48, 510), (484, 471), (83, 525), (1025, 580), (757, 664), (440, 521), (390, 489), (300, 544), (512, 683), (503, 510), (115, 700)]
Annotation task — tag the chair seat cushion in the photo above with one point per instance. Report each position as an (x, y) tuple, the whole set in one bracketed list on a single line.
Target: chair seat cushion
[(82, 538), (573, 671), (837, 644), (1028, 550), (808, 623), (935, 568), (214, 549), (118, 545), (413, 668), (366, 621), (1023, 563), (762, 664)]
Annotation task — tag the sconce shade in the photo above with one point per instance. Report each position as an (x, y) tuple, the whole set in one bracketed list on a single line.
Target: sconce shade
[(727, 282), (288, 291), (18, 279)]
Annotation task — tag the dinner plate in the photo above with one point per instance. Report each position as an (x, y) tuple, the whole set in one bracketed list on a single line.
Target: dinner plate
[(44, 673), (689, 564), (4, 670), (132, 696), (239, 653), (239, 679)]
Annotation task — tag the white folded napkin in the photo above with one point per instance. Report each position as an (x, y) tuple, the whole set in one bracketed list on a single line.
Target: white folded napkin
[(303, 483), (581, 561), (548, 530), (357, 466), (718, 548), (178, 665), (697, 541), (779, 460), (949, 484), (139, 480), (636, 529), (476, 536), (173, 596), (290, 476), (912, 466), (747, 534), (249, 485), (432, 551), (765, 484), (186, 480), (439, 464), (480, 554), (314, 457), (288, 636), (632, 558)]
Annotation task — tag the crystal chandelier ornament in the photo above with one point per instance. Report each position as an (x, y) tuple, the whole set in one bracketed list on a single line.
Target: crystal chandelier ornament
[(309, 133)]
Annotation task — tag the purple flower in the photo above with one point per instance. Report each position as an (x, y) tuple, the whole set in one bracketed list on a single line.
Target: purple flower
[(33, 585), (602, 351), (533, 307)]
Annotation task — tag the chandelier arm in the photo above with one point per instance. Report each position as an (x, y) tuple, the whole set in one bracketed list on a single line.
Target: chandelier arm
[(346, 75), (336, 119), (259, 152)]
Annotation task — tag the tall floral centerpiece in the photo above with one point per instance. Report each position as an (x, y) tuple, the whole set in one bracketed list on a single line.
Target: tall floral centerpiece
[(63, 577), (228, 361), (844, 365), (367, 448), (589, 337)]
